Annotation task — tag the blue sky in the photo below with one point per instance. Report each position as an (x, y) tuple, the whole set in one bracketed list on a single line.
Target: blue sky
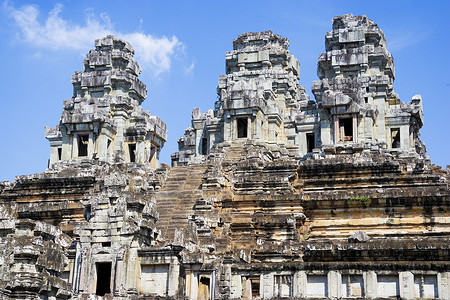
[(181, 47)]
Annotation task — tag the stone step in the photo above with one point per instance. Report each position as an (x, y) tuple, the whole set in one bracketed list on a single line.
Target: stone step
[(175, 202)]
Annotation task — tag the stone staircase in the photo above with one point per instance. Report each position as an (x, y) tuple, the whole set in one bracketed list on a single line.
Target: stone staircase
[(233, 155), (176, 199)]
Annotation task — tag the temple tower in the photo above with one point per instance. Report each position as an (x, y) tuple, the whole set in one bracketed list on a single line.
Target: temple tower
[(257, 97), (104, 119), (355, 91)]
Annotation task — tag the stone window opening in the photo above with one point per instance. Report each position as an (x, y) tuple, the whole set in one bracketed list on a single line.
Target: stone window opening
[(204, 146), (388, 286), (346, 129), (242, 127), (352, 286), (132, 152), (103, 278), (283, 286), (317, 286), (250, 287), (310, 142), (204, 288), (255, 283), (425, 286), (59, 153), (395, 138), (152, 153), (83, 141)]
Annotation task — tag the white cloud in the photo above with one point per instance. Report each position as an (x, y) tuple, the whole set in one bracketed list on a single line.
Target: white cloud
[(190, 69), (406, 40), (56, 33), (152, 51)]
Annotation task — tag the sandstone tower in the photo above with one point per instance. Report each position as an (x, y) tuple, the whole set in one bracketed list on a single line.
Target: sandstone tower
[(104, 120), (271, 195)]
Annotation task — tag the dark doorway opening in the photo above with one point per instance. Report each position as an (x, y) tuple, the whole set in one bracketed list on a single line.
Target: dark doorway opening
[(132, 151), (346, 129), (204, 146), (255, 287), (395, 134), (204, 288), (59, 153), (310, 143), (83, 140), (103, 278), (242, 124)]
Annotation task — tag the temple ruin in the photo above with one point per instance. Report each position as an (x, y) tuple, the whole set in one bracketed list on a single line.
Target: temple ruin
[(271, 194)]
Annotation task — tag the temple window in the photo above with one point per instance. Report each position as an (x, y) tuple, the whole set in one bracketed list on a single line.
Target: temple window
[(103, 278), (395, 138), (317, 286), (388, 286), (283, 286), (204, 288), (242, 124), (310, 142), (59, 153), (346, 129), (132, 152), (83, 141), (204, 146), (352, 286), (255, 284), (425, 286)]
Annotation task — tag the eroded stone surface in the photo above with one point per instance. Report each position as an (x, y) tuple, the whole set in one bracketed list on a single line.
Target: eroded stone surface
[(331, 198), (104, 120)]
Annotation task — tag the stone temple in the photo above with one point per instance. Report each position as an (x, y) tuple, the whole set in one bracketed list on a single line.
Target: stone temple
[(271, 194)]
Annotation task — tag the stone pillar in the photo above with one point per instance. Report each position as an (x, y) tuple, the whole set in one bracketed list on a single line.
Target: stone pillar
[(236, 287), (194, 287), (120, 277), (140, 152), (404, 137), (368, 129), (335, 129), (131, 268), (102, 147), (334, 280), (299, 290), (355, 128), (53, 155), (406, 285), (174, 273), (443, 285), (380, 127), (302, 143), (91, 145), (67, 146), (371, 285), (266, 286), (227, 127)]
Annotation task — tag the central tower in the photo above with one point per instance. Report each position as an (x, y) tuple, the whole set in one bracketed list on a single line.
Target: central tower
[(257, 96)]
